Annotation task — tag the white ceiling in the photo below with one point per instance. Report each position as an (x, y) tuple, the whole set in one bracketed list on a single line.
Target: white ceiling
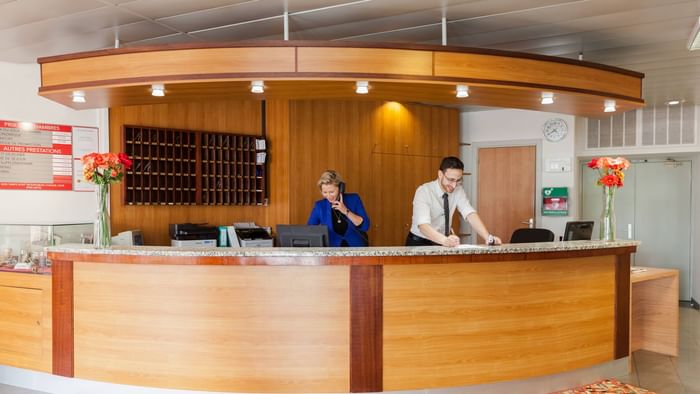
[(648, 36)]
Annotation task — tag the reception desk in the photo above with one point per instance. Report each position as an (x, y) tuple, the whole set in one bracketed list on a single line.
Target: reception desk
[(338, 319)]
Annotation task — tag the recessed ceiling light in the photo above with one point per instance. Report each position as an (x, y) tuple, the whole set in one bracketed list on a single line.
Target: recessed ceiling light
[(158, 90), (673, 102), (462, 91), (79, 96), (257, 87), (609, 106), (547, 98), (362, 87)]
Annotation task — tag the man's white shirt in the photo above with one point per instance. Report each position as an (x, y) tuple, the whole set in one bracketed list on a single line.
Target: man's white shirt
[(428, 206)]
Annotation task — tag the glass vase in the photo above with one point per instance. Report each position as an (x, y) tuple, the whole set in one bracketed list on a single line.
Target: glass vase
[(102, 232), (607, 218)]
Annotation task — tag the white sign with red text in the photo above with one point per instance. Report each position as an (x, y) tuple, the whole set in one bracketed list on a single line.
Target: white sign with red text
[(36, 156)]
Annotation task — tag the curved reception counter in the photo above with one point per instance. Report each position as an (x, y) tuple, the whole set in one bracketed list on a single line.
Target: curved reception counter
[(338, 319)]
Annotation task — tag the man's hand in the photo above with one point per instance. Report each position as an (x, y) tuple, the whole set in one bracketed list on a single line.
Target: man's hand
[(451, 241)]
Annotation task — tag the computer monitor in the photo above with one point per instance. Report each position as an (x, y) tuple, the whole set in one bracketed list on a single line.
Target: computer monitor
[(581, 230), (296, 235)]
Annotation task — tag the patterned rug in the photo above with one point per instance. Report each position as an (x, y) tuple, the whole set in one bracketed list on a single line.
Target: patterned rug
[(609, 386)]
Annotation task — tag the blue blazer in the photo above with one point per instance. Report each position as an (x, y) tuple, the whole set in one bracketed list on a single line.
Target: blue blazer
[(322, 214)]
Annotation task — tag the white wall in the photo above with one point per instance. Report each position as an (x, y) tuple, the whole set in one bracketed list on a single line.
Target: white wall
[(20, 101), (504, 126)]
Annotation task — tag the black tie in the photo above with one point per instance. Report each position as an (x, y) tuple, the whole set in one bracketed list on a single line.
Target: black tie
[(446, 206)]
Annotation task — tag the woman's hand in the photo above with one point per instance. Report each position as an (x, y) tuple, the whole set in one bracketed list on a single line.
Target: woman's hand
[(339, 205)]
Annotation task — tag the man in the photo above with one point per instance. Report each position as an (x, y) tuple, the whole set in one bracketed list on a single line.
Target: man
[(434, 204)]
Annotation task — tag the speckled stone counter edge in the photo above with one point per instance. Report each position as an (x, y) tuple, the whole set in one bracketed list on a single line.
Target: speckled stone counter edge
[(341, 252)]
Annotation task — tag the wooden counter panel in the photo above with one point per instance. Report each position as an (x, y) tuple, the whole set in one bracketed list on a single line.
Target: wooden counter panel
[(655, 315), (535, 72), (365, 61), (25, 326), (168, 63), (241, 329), (462, 324)]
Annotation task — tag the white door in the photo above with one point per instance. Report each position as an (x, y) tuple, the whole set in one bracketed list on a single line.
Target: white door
[(653, 207)]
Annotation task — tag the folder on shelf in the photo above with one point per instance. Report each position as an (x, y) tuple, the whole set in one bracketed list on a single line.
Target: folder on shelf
[(260, 158), (232, 237), (260, 144)]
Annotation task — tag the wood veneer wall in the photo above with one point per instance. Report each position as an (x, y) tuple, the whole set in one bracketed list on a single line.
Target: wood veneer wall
[(384, 150)]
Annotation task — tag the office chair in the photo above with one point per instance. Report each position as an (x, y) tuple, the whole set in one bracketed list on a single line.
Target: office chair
[(523, 235)]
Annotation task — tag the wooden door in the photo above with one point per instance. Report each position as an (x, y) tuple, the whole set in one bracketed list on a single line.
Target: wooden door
[(506, 188)]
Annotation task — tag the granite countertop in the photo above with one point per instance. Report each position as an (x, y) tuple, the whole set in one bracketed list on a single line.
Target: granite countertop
[(341, 252)]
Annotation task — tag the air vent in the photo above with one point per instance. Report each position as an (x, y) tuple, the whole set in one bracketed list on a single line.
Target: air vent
[(662, 125), (614, 131)]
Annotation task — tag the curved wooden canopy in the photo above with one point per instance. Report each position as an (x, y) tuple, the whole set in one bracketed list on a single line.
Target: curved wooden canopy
[(328, 70)]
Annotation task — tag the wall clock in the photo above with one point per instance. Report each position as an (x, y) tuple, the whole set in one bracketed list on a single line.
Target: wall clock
[(555, 129)]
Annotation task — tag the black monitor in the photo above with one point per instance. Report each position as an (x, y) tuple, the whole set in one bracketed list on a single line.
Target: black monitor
[(296, 235), (578, 230)]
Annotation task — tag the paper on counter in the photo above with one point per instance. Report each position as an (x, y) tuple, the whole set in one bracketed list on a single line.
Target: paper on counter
[(470, 246)]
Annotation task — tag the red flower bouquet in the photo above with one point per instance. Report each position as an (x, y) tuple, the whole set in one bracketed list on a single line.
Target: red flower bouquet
[(610, 170), (105, 168), (611, 177)]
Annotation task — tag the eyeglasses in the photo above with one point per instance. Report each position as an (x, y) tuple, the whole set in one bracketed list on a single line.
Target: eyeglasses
[(455, 181)]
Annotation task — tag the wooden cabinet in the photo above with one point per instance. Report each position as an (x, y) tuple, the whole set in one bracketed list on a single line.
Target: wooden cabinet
[(25, 327), (186, 167)]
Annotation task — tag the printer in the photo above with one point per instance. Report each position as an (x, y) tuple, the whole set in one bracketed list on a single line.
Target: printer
[(193, 235), (250, 235)]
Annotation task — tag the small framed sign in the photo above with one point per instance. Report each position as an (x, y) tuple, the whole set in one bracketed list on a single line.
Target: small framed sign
[(555, 201)]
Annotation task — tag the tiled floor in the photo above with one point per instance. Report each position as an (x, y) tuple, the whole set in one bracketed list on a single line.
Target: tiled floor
[(662, 374), (671, 375)]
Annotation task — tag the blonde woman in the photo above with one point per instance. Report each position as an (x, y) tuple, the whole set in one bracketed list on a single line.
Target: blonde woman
[(343, 213)]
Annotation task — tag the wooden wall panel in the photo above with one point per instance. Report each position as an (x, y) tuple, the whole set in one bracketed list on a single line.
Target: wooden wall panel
[(242, 117), (383, 150), (365, 60), (214, 328), (169, 64), (535, 72), (25, 327), (278, 171), (429, 342)]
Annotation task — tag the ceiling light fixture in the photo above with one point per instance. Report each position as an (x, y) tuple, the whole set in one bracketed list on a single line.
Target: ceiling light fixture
[(694, 40), (158, 90), (257, 87), (462, 91), (673, 102), (362, 87), (547, 98), (609, 106), (78, 96)]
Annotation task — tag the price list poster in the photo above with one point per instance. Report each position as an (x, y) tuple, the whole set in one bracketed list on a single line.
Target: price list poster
[(35, 156)]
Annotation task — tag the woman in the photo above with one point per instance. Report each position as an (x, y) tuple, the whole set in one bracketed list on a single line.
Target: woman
[(343, 213)]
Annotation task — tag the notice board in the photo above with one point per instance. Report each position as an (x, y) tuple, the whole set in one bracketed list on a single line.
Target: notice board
[(36, 156)]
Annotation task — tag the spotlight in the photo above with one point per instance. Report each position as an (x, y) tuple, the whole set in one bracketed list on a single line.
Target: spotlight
[(362, 87), (462, 91), (158, 90), (78, 96), (609, 106), (257, 87), (547, 98)]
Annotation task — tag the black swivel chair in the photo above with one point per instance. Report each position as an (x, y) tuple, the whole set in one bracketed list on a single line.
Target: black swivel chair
[(523, 235)]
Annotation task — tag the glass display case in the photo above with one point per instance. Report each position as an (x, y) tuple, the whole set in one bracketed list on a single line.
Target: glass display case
[(22, 245)]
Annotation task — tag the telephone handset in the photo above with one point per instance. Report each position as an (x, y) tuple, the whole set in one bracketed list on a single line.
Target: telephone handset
[(341, 190)]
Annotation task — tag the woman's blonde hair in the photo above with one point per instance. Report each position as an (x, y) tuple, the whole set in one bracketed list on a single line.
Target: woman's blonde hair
[(329, 177)]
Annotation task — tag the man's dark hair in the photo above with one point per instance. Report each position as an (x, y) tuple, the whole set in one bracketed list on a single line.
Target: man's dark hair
[(451, 162)]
